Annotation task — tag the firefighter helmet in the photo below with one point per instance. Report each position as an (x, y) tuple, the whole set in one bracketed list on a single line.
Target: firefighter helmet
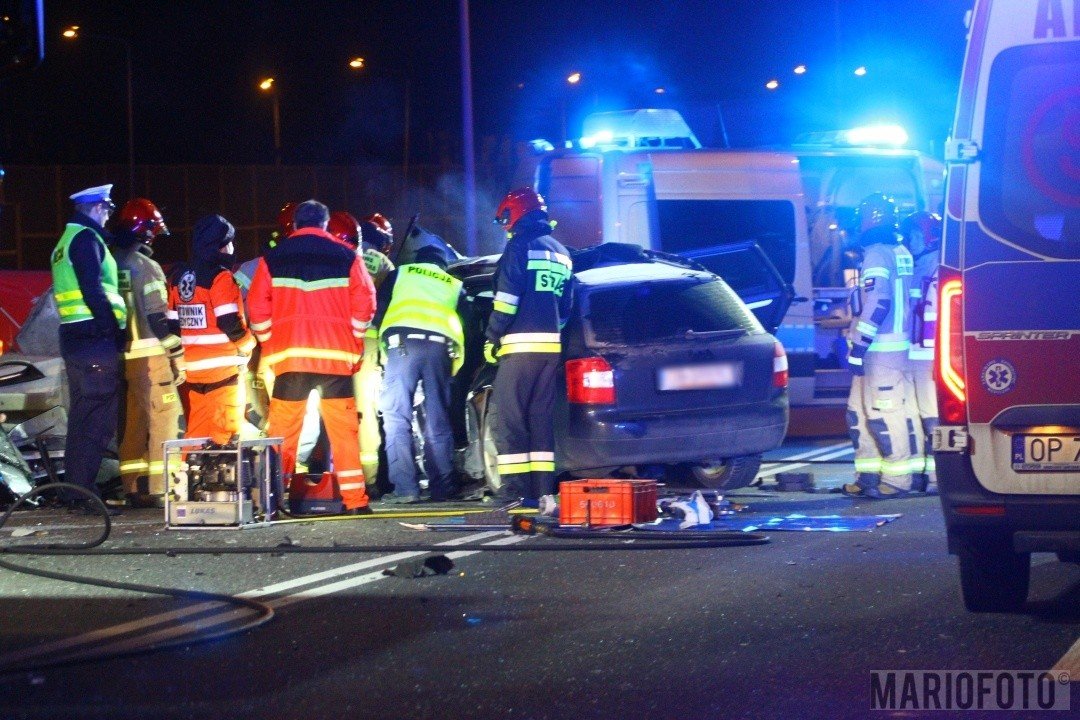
[(877, 210), (517, 204), (929, 224), (141, 218), (377, 232), (344, 227)]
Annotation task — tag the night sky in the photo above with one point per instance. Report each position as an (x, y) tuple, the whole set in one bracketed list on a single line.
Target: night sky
[(197, 63)]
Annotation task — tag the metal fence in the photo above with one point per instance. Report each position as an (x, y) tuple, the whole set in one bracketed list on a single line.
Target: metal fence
[(34, 203)]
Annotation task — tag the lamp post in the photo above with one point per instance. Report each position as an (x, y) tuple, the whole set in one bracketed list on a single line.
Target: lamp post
[(357, 64), (267, 86), (572, 80), (73, 32)]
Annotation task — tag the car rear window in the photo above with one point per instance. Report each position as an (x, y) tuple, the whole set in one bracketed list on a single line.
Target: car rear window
[(1028, 191), (661, 311)]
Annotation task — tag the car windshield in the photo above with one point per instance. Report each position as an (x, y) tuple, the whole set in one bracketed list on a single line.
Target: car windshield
[(662, 311)]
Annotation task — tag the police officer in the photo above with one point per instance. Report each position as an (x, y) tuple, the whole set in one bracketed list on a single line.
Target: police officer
[(311, 302), (533, 294), (93, 317), (878, 335), (153, 356), (922, 237), (419, 326)]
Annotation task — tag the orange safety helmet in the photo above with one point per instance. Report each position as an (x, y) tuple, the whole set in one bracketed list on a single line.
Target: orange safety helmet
[(517, 204), (142, 219), (877, 210), (344, 227)]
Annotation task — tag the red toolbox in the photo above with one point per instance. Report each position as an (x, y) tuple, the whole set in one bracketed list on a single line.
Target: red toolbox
[(607, 502), (315, 495)]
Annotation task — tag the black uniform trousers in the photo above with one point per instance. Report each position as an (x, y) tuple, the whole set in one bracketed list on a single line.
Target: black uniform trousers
[(93, 373), (524, 393)]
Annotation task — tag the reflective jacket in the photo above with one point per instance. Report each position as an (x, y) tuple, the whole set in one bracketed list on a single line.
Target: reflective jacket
[(206, 310), (86, 284), (424, 297), (378, 266), (924, 306), (311, 300), (885, 279), (142, 283), (533, 292)]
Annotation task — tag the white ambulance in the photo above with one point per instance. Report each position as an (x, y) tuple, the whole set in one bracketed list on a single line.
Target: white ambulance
[(642, 177), (1008, 347)]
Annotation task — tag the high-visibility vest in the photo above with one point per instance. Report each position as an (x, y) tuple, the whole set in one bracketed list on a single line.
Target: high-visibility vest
[(425, 297), (70, 303)]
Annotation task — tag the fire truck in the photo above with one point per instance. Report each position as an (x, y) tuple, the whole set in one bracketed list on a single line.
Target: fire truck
[(774, 223)]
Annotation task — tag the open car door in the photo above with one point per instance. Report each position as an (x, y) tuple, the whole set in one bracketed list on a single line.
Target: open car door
[(747, 269)]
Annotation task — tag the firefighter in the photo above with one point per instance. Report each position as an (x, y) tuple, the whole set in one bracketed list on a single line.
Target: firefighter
[(311, 301), (153, 357), (533, 294), (922, 237), (419, 327), (205, 308), (377, 235), (878, 336), (93, 316)]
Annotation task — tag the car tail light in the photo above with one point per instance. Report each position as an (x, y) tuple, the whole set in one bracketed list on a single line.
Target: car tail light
[(950, 356), (779, 367), (590, 381)]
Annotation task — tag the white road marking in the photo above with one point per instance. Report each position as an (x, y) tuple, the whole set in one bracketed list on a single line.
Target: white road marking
[(845, 449), (104, 634)]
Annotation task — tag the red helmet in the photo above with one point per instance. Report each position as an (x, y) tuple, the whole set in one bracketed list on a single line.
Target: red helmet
[(877, 210), (344, 227), (378, 232), (929, 224), (142, 219), (286, 225), (517, 204)]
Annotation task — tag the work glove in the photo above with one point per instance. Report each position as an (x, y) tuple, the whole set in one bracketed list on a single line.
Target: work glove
[(855, 358), (179, 367), (491, 352)]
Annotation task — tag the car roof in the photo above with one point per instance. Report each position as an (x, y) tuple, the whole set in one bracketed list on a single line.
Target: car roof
[(629, 273)]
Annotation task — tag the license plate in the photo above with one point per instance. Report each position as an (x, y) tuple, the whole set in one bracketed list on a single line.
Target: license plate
[(1046, 453), (700, 377)]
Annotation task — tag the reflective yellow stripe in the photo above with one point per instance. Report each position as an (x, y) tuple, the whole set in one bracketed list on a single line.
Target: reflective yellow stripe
[(515, 468), (156, 285), (542, 466), (505, 308), (311, 285), (312, 353), (530, 347), (870, 465), (69, 295)]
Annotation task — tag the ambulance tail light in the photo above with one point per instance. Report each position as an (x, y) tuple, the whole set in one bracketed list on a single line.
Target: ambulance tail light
[(952, 395), (590, 381)]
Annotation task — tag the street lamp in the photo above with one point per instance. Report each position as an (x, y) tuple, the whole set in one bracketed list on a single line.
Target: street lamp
[(772, 84), (572, 80), (73, 32), (267, 86), (359, 63)]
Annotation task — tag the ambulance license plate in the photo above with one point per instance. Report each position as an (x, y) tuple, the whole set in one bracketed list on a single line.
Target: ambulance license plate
[(710, 376), (1046, 453)]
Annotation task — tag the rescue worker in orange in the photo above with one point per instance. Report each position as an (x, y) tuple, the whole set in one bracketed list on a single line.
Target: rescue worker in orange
[(311, 302), (153, 356), (206, 310)]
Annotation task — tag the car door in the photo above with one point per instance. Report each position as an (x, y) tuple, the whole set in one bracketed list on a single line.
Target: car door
[(749, 272)]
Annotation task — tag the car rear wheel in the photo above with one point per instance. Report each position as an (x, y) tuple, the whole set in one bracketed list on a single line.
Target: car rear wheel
[(727, 474), (489, 453), (993, 577)]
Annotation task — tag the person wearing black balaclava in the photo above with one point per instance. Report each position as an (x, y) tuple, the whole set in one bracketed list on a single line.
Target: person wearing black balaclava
[(206, 309)]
